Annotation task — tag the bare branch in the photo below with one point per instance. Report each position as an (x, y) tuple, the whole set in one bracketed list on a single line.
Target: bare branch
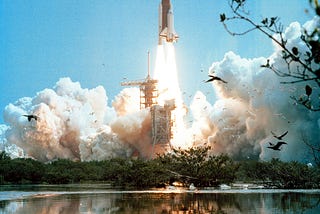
[(301, 66)]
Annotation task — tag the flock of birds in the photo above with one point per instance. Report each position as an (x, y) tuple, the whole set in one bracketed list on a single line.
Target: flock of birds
[(278, 145)]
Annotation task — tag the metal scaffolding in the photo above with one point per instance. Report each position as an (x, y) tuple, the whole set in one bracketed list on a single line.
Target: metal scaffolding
[(161, 118), (148, 91), (162, 122)]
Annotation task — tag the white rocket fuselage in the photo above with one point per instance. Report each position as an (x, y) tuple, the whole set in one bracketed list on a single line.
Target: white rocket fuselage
[(166, 23)]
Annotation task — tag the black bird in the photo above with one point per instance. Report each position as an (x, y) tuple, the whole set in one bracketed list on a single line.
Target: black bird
[(308, 90), (280, 136), (277, 146), (31, 116), (212, 78)]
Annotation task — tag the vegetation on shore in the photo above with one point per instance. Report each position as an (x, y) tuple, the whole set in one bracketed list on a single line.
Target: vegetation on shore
[(185, 166)]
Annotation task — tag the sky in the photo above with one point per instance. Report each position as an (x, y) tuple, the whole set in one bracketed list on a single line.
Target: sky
[(106, 42)]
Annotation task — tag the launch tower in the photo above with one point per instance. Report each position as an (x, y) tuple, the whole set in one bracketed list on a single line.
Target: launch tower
[(161, 119)]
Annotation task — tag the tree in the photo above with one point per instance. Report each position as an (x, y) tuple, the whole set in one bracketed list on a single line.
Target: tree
[(4, 156), (185, 164), (219, 169), (302, 65), (195, 165), (21, 170), (293, 175)]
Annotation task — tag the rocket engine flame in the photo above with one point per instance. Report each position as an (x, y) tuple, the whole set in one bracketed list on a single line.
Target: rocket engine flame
[(168, 85)]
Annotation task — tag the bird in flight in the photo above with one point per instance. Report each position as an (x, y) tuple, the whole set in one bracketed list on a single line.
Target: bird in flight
[(280, 136), (212, 78), (277, 146), (31, 116), (308, 90)]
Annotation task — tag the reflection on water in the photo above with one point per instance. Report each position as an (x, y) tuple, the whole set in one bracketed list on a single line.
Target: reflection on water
[(165, 202)]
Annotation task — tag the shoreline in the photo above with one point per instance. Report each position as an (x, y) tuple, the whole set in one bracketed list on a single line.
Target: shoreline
[(24, 194)]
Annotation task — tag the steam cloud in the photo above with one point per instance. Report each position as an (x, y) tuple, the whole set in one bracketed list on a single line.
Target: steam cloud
[(254, 103), (75, 123), (78, 124)]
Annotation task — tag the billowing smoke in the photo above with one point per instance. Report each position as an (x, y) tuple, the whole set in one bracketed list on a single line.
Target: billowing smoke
[(253, 104), (78, 124)]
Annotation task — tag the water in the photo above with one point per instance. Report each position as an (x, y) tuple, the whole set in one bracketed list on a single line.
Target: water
[(95, 198)]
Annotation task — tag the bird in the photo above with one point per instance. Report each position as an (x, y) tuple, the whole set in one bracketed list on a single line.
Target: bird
[(212, 78), (277, 146), (308, 90), (280, 136), (31, 116)]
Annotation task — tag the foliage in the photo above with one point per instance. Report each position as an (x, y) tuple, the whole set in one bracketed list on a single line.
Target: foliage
[(193, 165), (218, 170), (21, 170), (292, 174), (4, 156), (279, 174)]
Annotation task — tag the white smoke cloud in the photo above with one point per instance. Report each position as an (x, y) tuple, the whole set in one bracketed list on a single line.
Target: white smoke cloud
[(127, 101), (103, 145), (135, 130), (74, 123), (253, 103), (11, 149)]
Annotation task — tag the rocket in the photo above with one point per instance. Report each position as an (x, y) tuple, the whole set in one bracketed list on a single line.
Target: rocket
[(166, 22)]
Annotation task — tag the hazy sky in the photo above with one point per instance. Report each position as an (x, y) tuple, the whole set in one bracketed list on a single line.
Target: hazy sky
[(101, 42)]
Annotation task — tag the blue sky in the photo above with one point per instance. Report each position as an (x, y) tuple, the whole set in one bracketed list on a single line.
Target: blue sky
[(101, 42)]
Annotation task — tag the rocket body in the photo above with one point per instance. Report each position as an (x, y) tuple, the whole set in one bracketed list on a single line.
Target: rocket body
[(166, 22)]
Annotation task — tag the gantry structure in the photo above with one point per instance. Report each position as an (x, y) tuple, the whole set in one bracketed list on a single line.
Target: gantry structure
[(148, 91), (161, 117)]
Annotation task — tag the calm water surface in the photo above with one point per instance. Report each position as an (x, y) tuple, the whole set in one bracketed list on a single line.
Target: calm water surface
[(51, 199)]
